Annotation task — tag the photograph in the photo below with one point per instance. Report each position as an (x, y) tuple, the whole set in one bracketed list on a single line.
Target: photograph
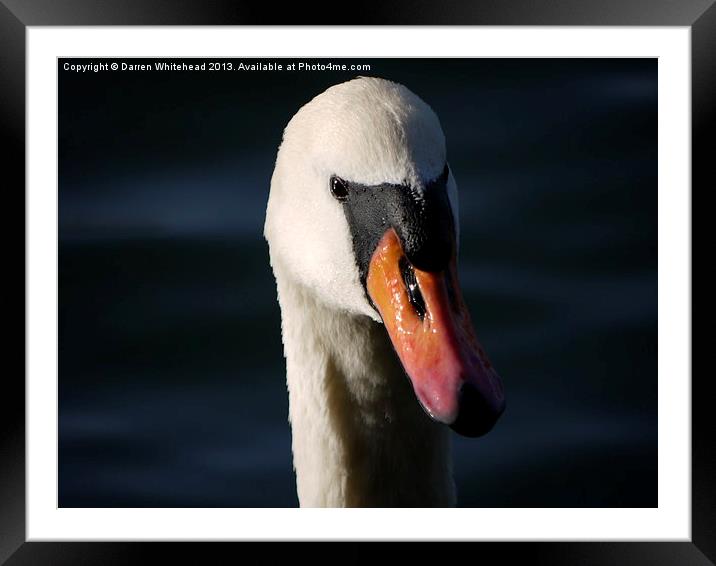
[(357, 282)]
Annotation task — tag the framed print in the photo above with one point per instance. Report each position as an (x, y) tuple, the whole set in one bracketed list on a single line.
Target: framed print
[(241, 238)]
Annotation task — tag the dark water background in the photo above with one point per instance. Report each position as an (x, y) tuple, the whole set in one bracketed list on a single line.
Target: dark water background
[(171, 376)]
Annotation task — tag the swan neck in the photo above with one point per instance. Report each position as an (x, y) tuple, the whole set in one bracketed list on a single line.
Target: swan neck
[(359, 436)]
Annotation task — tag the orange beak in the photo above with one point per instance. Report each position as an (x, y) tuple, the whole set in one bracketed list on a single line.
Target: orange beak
[(429, 326)]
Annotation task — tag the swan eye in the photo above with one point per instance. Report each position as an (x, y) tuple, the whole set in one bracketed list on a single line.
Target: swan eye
[(339, 189)]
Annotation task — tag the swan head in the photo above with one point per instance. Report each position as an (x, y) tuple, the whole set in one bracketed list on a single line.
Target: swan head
[(363, 213)]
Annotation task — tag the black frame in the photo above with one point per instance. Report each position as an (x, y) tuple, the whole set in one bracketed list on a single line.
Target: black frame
[(15, 15)]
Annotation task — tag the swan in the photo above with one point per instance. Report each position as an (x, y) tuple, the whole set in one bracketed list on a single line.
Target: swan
[(362, 230)]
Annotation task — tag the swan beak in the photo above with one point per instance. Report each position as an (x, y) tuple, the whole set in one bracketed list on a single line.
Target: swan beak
[(429, 326)]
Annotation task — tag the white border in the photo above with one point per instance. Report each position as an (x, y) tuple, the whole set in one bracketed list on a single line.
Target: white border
[(671, 520)]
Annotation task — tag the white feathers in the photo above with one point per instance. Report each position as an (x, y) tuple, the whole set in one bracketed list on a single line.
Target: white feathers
[(359, 435), (367, 130), (371, 131)]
